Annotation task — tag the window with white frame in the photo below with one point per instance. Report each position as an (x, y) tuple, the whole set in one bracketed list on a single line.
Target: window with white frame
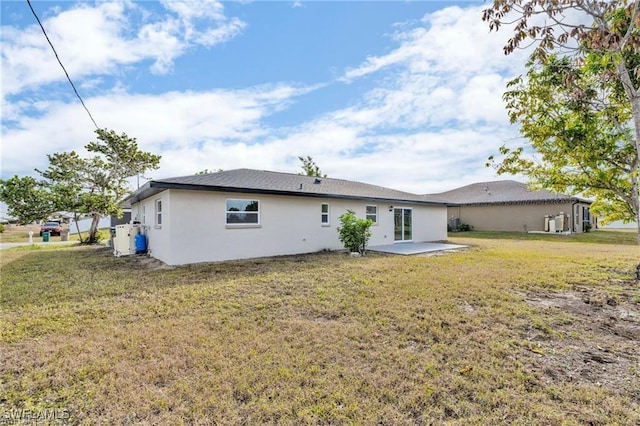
[(324, 215), (371, 213), (243, 212), (158, 212)]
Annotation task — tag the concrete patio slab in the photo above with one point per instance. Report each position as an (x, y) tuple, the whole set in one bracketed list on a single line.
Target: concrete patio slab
[(414, 248)]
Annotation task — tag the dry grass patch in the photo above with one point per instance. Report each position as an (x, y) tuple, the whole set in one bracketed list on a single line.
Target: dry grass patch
[(19, 233), (314, 339)]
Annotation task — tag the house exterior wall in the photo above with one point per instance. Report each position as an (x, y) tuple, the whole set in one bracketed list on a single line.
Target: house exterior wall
[(520, 217), (194, 227), (582, 216), (158, 236)]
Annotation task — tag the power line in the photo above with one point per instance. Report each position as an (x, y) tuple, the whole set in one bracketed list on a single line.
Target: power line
[(60, 62)]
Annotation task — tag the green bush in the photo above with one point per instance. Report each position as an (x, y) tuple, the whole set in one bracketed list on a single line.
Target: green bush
[(354, 232), (1, 228)]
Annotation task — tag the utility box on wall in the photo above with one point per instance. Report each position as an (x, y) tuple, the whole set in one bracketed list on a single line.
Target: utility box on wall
[(124, 243)]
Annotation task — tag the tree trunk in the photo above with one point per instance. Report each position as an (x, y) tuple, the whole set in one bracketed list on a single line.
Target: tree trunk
[(635, 176), (634, 98), (75, 218), (93, 231)]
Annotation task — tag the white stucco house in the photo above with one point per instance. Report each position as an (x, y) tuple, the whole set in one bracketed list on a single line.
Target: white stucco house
[(246, 213)]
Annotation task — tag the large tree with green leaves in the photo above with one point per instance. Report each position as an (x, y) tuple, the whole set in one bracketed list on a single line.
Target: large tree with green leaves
[(579, 103), (96, 185), (26, 199), (93, 186)]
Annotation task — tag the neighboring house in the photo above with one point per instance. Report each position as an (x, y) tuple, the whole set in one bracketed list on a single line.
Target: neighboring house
[(60, 217), (126, 218), (84, 224), (7, 220), (245, 213), (105, 222), (511, 206)]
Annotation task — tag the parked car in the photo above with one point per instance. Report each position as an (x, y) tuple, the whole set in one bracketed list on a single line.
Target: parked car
[(52, 228)]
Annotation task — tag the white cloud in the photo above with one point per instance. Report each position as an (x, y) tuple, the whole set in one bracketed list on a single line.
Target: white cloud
[(449, 70), (436, 113), (452, 40), (98, 40), (427, 125), (169, 122)]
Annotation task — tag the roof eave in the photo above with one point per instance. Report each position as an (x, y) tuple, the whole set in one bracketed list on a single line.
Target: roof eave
[(527, 202), (156, 187)]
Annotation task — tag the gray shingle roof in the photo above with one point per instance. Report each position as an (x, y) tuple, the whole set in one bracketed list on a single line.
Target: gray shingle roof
[(503, 192), (267, 182)]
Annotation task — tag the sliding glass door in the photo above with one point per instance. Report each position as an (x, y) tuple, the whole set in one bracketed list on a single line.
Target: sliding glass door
[(402, 225)]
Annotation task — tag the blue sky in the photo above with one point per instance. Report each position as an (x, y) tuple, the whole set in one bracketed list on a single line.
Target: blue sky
[(400, 94)]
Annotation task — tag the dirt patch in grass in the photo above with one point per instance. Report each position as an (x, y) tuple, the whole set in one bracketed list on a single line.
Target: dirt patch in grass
[(592, 338), (144, 261)]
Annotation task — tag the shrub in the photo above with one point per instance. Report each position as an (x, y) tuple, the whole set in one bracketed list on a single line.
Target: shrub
[(1, 228), (354, 232)]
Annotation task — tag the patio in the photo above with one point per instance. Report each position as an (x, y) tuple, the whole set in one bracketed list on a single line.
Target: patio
[(414, 248)]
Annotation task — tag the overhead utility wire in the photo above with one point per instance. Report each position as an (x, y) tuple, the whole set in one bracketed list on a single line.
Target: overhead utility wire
[(60, 62)]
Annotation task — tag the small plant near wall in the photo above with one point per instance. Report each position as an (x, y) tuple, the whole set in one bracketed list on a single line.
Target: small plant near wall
[(587, 227), (354, 232), (463, 227)]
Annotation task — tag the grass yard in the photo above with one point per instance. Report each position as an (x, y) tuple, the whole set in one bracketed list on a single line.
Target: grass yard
[(601, 236), (20, 234), (505, 332)]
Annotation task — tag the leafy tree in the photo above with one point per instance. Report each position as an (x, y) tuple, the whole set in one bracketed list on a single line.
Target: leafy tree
[(584, 143), (207, 171), (310, 168), (95, 186), (580, 102), (25, 198), (354, 232)]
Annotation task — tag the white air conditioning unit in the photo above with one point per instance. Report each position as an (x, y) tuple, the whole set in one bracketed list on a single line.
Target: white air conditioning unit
[(124, 242)]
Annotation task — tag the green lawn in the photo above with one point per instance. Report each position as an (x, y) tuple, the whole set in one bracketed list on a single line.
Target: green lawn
[(323, 338), (601, 236)]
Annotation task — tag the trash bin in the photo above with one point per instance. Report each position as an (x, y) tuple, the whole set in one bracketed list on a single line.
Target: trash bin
[(64, 236), (141, 243), (45, 237)]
